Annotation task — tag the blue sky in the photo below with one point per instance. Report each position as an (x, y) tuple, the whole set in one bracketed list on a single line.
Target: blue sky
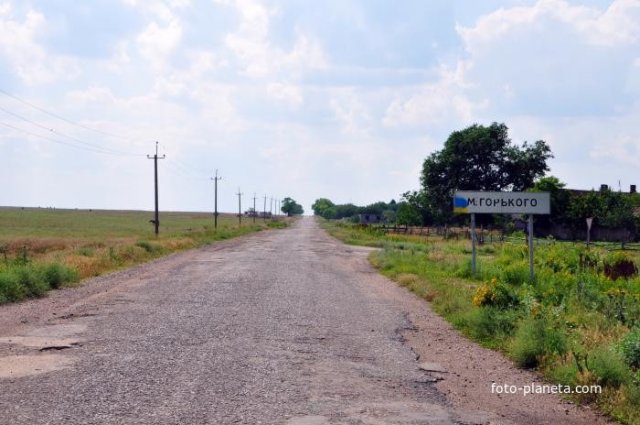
[(340, 98)]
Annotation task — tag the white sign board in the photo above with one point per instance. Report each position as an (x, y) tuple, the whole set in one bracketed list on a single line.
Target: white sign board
[(467, 202)]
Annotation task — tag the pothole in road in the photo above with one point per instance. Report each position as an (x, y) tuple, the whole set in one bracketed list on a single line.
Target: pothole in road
[(59, 347), (383, 413), (45, 339), (41, 343), (400, 413), (308, 420), (21, 366)]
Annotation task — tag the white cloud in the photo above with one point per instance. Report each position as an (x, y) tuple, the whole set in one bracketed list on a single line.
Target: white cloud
[(553, 58), (288, 93), (251, 44), (622, 149), (352, 113), (119, 59), (441, 102), (157, 42), (620, 23), (163, 10), (27, 58), (307, 54)]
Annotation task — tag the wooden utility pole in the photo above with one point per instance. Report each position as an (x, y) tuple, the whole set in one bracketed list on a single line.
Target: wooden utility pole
[(239, 207), (156, 220), (264, 211), (255, 213), (215, 205)]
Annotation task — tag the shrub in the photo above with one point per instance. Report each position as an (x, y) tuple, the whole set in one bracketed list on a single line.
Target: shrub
[(496, 294), (535, 337), (23, 257), (609, 367), (32, 281), (629, 347), (487, 324), (56, 274), (148, 246), (10, 288), (86, 251), (516, 273)]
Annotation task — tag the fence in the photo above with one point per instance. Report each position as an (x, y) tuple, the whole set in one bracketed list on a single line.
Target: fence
[(492, 235)]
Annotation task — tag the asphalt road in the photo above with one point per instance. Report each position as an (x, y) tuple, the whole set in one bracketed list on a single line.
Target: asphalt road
[(282, 327)]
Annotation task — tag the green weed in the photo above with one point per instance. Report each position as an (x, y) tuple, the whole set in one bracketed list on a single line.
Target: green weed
[(609, 367)]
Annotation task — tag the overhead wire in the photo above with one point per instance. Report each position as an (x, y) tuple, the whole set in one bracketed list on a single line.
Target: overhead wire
[(54, 115), (195, 174), (175, 166), (82, 142), (90, 149)]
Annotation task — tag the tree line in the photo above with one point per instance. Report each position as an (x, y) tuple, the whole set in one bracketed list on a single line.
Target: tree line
[(484, 158)]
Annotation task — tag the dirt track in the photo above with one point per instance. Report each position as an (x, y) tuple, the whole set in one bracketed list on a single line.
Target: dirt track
[(280, 327)]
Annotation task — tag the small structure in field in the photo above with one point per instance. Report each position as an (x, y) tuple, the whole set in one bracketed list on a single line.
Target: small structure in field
[(369, 218)]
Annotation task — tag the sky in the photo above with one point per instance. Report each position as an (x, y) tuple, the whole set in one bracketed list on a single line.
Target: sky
[(342, 99)]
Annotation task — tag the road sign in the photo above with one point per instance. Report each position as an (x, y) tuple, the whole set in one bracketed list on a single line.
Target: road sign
[(467, 202), (589, 222)]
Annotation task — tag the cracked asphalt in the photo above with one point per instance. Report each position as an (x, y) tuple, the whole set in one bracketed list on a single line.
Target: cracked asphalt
[(282, 327)]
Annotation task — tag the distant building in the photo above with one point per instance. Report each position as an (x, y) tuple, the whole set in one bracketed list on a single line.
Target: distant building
[(369, 219), (262, 214)]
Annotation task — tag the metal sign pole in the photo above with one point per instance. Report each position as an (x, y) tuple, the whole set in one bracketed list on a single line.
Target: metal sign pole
[(531, 272), (473, 244)]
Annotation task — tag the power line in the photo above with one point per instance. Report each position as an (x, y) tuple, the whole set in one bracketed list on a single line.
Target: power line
[(82, 142), (89, 149), (177, 171), (51, 114)]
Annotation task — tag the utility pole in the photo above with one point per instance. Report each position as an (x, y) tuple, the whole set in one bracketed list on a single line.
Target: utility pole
[(264, 212), (156, 220), (239, 207), (271, 206), (215, 208), (255, 213)]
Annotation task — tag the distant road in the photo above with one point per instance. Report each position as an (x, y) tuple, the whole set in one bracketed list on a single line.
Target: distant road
[(280, 327)]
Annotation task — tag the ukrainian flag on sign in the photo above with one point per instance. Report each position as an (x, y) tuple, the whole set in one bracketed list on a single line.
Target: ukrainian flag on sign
[(460, 205)]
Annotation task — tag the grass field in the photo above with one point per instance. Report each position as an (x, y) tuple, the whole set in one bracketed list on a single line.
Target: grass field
[(578, 323), (41, 249)]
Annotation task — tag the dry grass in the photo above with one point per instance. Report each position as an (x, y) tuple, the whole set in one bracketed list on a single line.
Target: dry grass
[(96, 242)]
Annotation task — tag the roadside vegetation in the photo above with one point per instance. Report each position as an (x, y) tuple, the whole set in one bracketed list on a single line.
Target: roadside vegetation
[(43, 249), (578, 323)]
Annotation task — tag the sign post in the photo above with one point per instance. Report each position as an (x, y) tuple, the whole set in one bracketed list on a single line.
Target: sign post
[(468, 202), (473, 244), (530, 224)]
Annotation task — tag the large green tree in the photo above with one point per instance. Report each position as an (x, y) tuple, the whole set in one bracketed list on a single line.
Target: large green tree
[(480, 158), (323, 207), (291, 207)]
